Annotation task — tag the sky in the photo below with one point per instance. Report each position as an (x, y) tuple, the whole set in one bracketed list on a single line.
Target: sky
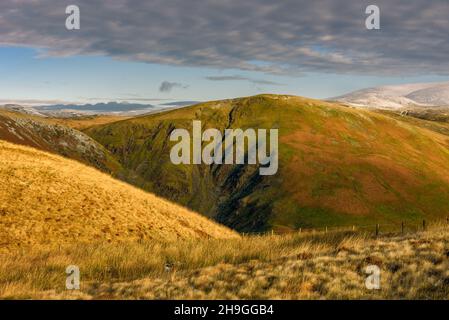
[(168, 50)]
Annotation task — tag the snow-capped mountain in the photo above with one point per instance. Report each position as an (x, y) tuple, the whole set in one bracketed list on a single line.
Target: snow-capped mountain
[(399, 96)]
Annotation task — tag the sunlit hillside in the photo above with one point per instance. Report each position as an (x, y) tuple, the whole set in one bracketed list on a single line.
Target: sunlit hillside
[(49, 200), (293, 266), (337, 165), (84, 122)]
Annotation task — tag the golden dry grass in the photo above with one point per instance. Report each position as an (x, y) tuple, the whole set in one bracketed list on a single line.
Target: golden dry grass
[(48, 199), (293, 266)]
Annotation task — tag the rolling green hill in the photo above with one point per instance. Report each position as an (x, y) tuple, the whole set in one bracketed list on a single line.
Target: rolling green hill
[(337, 165)]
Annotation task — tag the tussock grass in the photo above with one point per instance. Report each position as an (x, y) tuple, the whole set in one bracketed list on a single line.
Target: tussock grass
[(292, 266)]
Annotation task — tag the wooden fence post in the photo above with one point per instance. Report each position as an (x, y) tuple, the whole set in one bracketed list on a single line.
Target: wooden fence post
[(402, 227), (424, 224), (377, 230), (326, 229)]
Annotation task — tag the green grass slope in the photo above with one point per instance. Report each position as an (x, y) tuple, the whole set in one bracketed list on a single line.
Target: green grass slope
[(337, 165)]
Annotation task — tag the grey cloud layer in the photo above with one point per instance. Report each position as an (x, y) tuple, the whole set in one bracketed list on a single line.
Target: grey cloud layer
[(288, 36)]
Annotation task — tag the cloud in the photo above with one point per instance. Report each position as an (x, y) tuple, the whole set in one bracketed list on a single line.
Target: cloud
[(167, 86), (278, 37), (241, 78)]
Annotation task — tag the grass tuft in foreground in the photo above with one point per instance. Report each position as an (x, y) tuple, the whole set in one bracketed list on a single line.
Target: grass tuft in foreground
[(293, 266)]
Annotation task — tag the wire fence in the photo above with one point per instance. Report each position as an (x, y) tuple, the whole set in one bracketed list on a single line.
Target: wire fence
[(402, 227)]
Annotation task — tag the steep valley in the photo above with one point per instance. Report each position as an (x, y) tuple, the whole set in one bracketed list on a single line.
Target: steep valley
[(337, 165)]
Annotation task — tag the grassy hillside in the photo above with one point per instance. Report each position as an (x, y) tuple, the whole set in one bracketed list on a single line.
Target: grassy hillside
[(433, 120), (51, 135), (438, 114), (84, 122), (337, 165), (293, 266), (49, 200)]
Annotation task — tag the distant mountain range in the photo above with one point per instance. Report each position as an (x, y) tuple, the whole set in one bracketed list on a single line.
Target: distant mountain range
[(74, 110), (399, 96), (100, 107)]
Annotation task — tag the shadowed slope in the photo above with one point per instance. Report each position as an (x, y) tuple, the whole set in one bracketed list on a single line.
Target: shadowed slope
[(49, 135)]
